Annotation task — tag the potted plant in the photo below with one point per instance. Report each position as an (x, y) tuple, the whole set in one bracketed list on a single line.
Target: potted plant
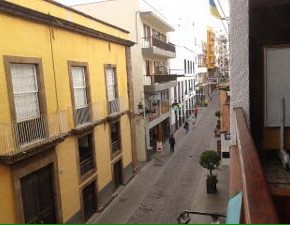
[(210, 160)]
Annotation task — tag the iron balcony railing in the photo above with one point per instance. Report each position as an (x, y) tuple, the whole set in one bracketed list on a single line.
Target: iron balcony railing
[(246, 176), (116, 106), (148, 42), (17, 137), (96, 111)]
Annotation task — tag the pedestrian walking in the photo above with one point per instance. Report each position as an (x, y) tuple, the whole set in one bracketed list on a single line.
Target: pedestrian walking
[(186, 126), (195, 112), (172, 143)]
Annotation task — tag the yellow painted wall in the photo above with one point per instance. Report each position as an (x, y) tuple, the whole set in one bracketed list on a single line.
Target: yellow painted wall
[(30, 39), (54, 10), (68, 177), (18, 42), (103, 157), (126, 141), (7, 210)]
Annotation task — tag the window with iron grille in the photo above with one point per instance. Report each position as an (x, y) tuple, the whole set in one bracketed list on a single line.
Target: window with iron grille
[(30, 125), (86, 158), (115, 136)]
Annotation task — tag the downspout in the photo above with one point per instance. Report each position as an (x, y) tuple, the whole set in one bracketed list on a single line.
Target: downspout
[(131, 107)]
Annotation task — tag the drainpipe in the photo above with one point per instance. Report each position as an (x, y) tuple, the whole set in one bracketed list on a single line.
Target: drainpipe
[(131, 107)]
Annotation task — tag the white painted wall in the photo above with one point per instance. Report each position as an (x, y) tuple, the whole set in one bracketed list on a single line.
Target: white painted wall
[(239, 58), (126, 14)]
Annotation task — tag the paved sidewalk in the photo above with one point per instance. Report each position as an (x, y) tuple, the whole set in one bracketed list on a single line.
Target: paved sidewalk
[(170, 183), (130, 196), (211, 203)]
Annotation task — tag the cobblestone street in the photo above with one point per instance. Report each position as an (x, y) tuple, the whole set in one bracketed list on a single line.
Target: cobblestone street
[(167, 185)]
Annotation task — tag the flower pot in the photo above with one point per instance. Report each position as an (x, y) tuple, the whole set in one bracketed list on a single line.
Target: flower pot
[(211, 184)]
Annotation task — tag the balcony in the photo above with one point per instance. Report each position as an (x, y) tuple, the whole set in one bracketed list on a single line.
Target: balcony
[(246, 176), (156, 83), (159, 109), (21, 139), (94, 113), (116, 106), (86, 117), (153, 47)]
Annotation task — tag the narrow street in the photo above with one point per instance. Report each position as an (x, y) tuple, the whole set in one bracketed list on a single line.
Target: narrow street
[(167, 184)]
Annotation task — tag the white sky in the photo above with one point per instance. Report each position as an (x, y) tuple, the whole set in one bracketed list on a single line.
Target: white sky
[(181, 11)]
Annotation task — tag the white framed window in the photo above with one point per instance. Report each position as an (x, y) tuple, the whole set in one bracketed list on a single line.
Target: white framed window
[(111, 84), (25, 91), (79, 86)]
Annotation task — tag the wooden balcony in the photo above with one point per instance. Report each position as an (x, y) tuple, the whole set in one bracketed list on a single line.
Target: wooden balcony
[(246, 176), (20, 139)]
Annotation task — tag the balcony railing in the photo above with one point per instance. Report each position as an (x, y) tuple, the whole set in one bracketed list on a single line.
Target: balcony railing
[(148, 42), (116, 106), (246, 176), (17, 137), (158, 110), (96, 111), (153, 79)]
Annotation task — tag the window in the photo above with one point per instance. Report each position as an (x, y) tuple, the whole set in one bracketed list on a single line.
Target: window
[(112, 94), (86, 158), (80, 90), (185, 70), (26, 97), (160, 68), (25, 91), (115, 137), (147, 36), (79, 86)]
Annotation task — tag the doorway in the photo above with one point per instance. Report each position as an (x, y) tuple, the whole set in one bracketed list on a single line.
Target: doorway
[(118, 178), (38, 196), (89, 200)]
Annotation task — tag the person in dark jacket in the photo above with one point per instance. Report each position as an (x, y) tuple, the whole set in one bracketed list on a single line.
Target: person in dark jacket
[(172, 143), (186, 126)]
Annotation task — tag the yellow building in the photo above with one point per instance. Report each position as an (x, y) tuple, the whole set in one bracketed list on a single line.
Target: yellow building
[(210, 49), (65, 140)]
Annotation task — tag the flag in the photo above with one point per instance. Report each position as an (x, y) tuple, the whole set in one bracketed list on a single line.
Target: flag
[(213, 9)]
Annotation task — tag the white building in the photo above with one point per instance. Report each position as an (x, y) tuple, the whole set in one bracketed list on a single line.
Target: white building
[(150, 60), (183, 65)]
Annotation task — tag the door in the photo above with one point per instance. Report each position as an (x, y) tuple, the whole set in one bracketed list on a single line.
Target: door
[(38, 196), (89, 200), (118, 174)]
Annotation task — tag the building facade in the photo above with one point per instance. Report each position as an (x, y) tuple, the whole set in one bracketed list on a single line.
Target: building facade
[(259, 68), (184, 66), (65, 131), (202, 89), (150, 67)]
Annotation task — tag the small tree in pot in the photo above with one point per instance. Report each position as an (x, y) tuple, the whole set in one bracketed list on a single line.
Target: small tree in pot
[(210, 160)]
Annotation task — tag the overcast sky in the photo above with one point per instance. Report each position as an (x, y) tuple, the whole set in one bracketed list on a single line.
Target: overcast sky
[(191, 11)]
